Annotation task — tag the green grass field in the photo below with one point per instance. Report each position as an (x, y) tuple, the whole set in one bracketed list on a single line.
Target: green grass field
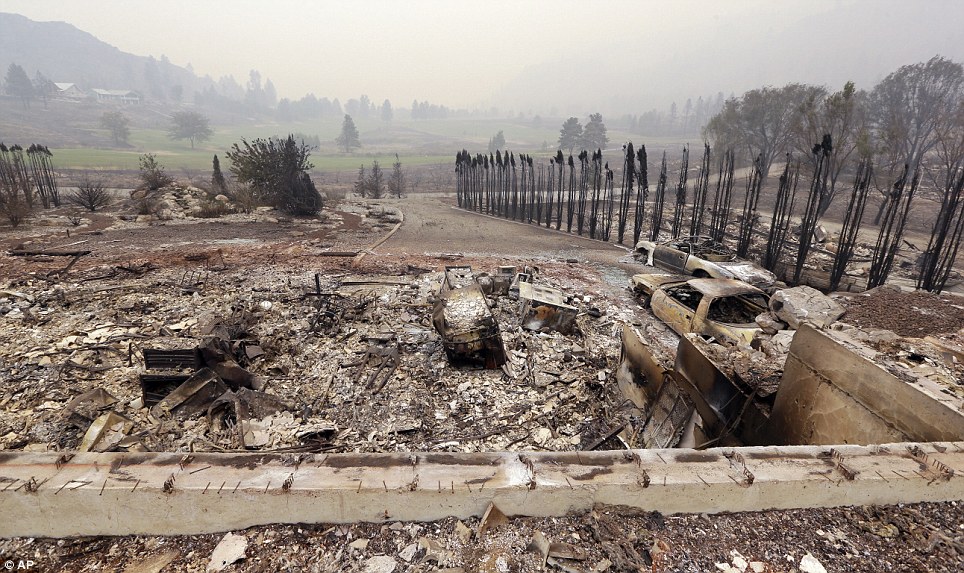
[(423, 142)]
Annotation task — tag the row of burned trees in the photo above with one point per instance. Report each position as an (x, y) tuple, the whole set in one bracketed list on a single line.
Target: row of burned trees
[(580, 195), (26, 178)]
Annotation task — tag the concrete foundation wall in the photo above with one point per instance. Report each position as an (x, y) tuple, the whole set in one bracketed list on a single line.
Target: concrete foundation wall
[(830, 394), (167, 494)]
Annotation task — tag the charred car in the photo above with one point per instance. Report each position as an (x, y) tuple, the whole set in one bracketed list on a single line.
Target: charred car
[(723, 309), (702, 257)]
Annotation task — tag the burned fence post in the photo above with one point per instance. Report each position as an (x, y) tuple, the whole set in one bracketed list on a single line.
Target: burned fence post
[(851, 223)]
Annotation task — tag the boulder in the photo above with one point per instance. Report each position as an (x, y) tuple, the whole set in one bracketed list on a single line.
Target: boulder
[(769, 324), (805, 304)]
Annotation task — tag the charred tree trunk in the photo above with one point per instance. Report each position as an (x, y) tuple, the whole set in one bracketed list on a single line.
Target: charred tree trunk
[(851, 224), (572, 194), (945, 240), (561, 166), (679, 211), (583, 191), (642, 192), (810, 216), (610, 202), (750, 200), (597, 177), (700, 192), (723, 197), (629, 175), (892, 228), (780, 221), (658, 202)]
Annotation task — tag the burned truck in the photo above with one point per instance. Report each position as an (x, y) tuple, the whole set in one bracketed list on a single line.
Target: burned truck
[(464, 321)]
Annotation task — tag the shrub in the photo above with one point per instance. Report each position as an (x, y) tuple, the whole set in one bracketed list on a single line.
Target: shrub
[(277, 171), (152, 172), (212, 209), (90, 195), (14, 208)]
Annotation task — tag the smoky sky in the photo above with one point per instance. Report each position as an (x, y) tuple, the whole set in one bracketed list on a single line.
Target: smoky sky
[(560, 55)]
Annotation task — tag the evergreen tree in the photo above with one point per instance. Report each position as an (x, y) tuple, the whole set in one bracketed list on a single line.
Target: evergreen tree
[(362, 181), (217, 178), (17, 83), (571, 134), (375, 182), (396, 183), (349, 135), (594, 134)]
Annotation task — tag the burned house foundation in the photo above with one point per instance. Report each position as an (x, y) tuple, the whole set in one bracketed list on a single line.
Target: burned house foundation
[(64, 495)]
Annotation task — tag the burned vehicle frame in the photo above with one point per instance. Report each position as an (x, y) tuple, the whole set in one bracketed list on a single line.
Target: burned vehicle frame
[(723, 309), (702, 257)]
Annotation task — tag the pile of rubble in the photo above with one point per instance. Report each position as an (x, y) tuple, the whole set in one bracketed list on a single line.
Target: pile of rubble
[(232, 359)]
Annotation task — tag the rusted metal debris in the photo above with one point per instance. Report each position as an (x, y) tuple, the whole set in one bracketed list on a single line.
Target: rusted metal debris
[(157, 359), (192, 397), (464, 321), (545, 307), (193, 281), (381, 359), (334, 309)]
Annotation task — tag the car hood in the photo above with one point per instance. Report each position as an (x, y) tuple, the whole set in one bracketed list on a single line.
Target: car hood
[(750, 273)]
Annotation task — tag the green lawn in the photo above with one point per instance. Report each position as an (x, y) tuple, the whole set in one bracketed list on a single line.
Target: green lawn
[(416, 142)]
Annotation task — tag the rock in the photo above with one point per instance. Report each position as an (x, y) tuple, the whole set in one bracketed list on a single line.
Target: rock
[(769, 324), (359, 544), (805, 304), (408, 553), (463, 532), (229, 550), (491, 519), (820, 234), (221, 198), (542, 435), (380, 564), (154, 563), (779, 343), (809, 564)]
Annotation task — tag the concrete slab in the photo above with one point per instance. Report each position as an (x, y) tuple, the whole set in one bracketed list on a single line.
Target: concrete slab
[(57, 495)]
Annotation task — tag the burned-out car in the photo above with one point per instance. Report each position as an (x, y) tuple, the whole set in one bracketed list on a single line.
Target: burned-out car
[(702, 257), (724, 309), (464, 321)]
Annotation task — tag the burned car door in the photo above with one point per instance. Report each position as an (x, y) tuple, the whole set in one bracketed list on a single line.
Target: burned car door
[(671, 255), (676, 306)]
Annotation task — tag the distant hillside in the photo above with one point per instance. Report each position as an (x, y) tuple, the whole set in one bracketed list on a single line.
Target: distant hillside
[(62, 53)]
